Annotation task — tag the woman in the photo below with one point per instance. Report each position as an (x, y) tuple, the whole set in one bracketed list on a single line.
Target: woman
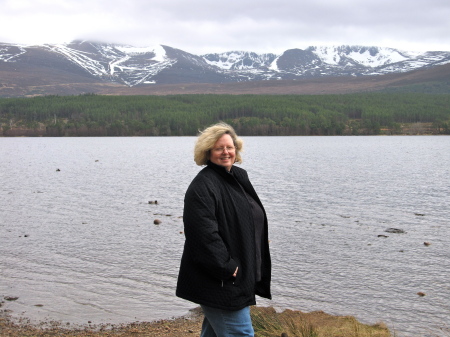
[(226, 259)]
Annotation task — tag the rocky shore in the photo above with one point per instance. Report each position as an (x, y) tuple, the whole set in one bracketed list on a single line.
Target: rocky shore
[(189, 325)]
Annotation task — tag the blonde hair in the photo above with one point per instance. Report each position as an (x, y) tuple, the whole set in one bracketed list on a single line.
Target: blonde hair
[(208, 137)]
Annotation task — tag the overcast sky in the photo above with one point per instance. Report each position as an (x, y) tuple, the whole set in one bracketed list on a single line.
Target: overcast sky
[(202, 26)]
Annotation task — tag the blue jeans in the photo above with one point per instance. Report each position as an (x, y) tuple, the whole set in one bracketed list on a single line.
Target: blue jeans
[(226, 323)]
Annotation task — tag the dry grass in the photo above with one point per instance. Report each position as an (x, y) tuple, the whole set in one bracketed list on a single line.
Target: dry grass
[(268, 323)]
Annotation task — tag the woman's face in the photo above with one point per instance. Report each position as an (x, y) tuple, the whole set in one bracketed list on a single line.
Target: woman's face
[(223, 152)]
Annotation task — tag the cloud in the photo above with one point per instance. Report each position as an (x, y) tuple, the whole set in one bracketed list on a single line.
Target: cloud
[(201, 26)]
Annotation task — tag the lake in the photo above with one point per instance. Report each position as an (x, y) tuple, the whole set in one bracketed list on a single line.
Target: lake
[(78, 242)]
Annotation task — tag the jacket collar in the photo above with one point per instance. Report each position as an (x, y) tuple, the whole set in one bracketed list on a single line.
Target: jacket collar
[(218, 168), (235, 173)]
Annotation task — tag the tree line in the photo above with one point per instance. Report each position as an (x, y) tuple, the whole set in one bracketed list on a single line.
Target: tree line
[(184, 115)]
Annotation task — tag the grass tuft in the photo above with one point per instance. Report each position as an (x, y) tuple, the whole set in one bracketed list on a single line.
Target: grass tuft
[(268, 323)]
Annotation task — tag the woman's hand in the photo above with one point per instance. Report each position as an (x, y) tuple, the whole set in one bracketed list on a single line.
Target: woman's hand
[(235, 272)]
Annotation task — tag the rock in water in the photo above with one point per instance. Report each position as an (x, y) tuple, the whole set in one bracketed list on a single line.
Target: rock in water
[(395, 230)]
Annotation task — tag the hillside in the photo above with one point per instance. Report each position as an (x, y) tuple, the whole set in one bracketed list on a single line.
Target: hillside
[(25, 83), (432, 80)]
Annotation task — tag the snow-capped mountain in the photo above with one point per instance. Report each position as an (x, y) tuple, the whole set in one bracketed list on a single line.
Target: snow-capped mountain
[(325, 61), (132, 66), (125, 64), (239, 60)]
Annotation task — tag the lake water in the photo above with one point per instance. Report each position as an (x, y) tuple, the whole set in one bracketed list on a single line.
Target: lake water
[(79, 244)]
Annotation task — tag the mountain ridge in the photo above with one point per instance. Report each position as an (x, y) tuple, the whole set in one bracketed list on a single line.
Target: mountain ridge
[(86, 66)]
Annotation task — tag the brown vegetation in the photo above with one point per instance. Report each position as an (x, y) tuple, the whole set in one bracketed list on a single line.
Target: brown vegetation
[(268, 323)]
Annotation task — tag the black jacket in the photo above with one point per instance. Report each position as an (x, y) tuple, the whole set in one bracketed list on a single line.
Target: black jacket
[(219, 232)]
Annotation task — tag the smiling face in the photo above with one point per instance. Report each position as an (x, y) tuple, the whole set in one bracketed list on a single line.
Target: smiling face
[(223, 152)]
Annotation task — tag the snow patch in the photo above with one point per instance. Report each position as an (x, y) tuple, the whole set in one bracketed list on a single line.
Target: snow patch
[(159, 51), (274, 66), (226, 60), (328, 55), (361, 55), (381, 58)]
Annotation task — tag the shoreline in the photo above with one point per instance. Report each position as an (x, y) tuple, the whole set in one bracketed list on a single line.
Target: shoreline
[(187, 325), (266, 322)]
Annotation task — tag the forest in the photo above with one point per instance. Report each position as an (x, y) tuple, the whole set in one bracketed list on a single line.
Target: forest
[(251, 115)]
